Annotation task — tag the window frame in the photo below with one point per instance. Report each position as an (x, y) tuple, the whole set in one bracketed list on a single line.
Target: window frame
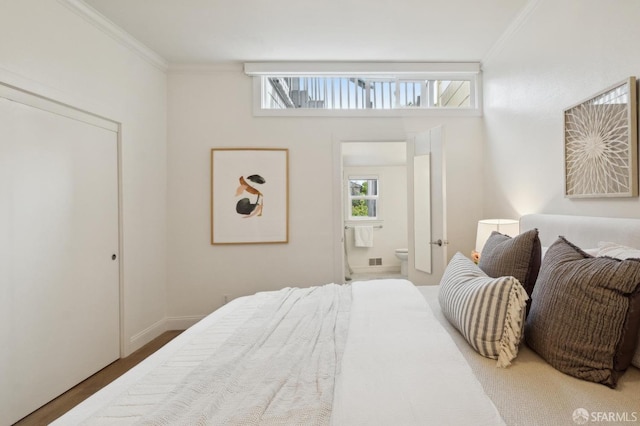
[(350, 198), (398, 72)]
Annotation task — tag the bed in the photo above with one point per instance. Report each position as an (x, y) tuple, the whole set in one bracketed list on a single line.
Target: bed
[(384, 352)]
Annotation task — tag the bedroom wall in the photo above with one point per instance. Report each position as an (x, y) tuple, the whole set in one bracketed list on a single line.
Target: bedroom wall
[(212, 107), (558, 54), (49, 49)]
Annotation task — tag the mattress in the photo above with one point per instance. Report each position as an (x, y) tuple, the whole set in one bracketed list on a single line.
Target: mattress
[(399, 366), (403, 364)]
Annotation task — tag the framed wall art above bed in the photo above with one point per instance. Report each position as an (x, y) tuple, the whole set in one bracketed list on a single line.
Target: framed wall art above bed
[(249, 195), (600, 144)]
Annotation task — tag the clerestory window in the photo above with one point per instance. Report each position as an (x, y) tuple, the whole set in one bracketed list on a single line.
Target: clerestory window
[(364, 89)]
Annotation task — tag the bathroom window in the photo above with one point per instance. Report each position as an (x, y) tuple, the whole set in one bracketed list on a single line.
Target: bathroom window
[(363, 194)]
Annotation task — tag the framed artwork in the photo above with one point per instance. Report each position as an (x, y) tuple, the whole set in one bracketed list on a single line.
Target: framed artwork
[(249, 195), (601, 144)]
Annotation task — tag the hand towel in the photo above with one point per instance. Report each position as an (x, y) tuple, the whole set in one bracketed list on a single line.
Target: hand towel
[(363, 236)]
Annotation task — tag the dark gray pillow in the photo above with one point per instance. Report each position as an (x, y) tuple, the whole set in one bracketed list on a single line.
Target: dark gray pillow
[(518, 257), (583, 319)]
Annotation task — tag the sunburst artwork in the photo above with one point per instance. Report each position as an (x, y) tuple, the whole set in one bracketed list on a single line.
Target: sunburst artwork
[(601, 144)]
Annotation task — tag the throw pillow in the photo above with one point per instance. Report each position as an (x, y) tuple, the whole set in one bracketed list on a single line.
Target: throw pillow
[(585, 313), (488, 312), (607, 248), (519, 257)]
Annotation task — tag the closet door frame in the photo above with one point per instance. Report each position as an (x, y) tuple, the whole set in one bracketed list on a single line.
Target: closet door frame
[(32, 99), (110, 206)]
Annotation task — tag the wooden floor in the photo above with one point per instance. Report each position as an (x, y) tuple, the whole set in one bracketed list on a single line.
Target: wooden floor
[(65, 402)]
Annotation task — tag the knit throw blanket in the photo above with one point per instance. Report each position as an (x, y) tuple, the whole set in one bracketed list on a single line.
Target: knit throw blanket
[(278, 368)]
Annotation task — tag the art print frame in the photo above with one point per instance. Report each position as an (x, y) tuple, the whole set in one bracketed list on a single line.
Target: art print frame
[(601, 144), (249, 196)]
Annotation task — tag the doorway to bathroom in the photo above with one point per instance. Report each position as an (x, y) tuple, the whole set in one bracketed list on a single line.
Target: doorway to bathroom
[(420, 209), (374, 209)]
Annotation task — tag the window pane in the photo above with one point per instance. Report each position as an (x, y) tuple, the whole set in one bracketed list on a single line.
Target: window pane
[(355, 188), (410, 93), (359, 208), (364, 208), (453, 94), (363, 187)]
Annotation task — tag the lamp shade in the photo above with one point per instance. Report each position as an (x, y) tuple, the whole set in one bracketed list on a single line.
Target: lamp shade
[(508, 227)]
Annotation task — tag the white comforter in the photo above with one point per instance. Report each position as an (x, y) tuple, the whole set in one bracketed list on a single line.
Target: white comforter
[(399, 368), (278, 368)]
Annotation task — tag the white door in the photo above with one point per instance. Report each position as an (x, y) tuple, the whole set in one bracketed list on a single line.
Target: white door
[(422, 250), (59, 273), (428, 258)]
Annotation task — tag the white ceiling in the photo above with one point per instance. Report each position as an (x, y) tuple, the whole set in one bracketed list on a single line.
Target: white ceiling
[(206, 31)]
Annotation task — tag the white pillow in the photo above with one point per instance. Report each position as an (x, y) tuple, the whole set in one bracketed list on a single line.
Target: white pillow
[(618, 251), (592, 251)]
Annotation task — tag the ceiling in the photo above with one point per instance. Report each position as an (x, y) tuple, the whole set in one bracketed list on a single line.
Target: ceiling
[(211, 31)]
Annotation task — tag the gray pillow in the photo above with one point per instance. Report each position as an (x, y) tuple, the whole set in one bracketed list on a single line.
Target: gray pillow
[(584, 315), (488, 312), (606, 248), (519, 257)]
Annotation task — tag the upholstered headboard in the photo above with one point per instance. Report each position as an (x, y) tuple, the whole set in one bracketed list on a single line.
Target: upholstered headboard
[(583, 231)]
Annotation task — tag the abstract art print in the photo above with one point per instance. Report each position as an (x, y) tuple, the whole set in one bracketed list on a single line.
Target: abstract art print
[(601, 143), (249, 195)]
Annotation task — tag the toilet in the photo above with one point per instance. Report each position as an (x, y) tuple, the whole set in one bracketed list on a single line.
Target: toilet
[(403, 255)]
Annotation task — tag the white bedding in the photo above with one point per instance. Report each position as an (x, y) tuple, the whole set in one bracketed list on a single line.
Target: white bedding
[(279, 367), (399, 366)]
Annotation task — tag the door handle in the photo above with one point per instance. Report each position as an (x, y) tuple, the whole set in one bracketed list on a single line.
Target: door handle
[(439, 242)]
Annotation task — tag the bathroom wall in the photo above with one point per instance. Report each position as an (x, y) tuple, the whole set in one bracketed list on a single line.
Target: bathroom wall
[(393, 211)]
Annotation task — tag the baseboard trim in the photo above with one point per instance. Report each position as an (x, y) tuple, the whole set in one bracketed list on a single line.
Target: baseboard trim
[(140, 339), (182, 323)]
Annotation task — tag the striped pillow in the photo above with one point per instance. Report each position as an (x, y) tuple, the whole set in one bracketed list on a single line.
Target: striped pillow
[(488, 312)]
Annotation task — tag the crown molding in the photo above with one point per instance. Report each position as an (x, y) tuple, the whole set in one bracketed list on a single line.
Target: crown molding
[(204, 68), (121, 36), (513, 28)]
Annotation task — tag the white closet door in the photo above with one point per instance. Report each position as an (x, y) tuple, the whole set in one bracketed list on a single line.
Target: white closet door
[(59, 300)]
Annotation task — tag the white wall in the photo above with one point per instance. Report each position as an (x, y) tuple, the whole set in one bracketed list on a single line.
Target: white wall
[(560, 54), (213, 108), (48, 49), (393, 208)]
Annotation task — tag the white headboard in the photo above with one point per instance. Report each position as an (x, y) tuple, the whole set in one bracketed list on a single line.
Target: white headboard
[(583, 231)]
